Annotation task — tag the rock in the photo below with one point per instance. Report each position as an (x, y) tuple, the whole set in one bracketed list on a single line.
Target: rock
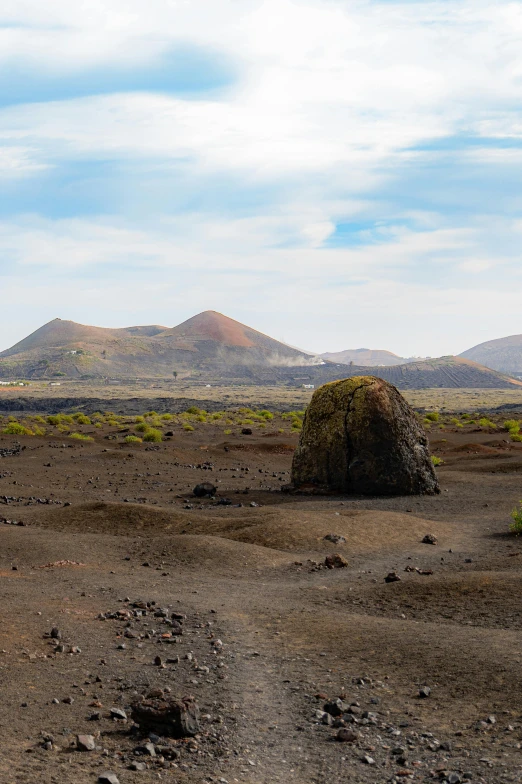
[(346, 736), (118, 713), (108, 778), (335, 538), (430, 539), (335, 707), (204, 489), (453, 778), (368, 760), (425, 692), (360, 436), (167, 716), (137, 766), (392, 577), (85, 743), (246, 431), (335, 561), (55, 633)]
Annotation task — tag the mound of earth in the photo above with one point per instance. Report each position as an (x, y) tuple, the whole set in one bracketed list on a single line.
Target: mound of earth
[(503, 354)]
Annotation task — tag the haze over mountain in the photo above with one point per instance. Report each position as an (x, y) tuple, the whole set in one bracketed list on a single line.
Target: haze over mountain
[(366, 357), (503, 354)]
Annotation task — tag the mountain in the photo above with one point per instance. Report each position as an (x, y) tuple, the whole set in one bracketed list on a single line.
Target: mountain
[(212, 348), (365, 357), (206, 342), (504, 354)]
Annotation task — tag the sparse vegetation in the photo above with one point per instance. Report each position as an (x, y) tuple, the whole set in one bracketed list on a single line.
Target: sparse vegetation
[(81, 437), (133, 440), (437, 461), (153, 435), (516, 525)]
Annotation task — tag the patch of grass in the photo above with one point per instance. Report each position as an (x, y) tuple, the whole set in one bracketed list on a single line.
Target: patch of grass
[(81, 437), (17, 429), (188, 427), (227, 432), (133, 440), (437, 461), (515, 437), (81, 419), (142, 427), (432, 416), (516, 525), (485, 422), (153, 436)]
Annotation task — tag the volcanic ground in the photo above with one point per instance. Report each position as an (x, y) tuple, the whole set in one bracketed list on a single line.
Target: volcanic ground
[(427, 668)]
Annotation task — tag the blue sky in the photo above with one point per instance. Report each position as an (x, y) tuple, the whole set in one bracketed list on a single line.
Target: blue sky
[(336, 173)]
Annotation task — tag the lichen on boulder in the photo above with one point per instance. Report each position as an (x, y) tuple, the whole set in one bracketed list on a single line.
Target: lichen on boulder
[(360, 436)]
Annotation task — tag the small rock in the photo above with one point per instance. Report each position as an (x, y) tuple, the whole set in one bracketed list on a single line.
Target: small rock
[(368, 760), (118, 713), (204, 489), (85, 743), (335, 561), (430, 539), (335, 538), (137, 766), (392, 577), (56, 633), (453, 778), (425, 692), (346, 735), (108, 778)]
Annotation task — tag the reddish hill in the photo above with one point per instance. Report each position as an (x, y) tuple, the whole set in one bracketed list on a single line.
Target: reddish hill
[(217, 328)]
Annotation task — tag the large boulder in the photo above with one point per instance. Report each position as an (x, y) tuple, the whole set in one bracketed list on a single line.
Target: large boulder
[(360, 436)]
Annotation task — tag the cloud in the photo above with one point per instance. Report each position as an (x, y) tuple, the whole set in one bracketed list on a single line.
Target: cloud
[(355, 161)]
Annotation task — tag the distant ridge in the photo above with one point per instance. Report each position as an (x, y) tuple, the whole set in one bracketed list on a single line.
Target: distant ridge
[(366, 357), (503, 354)]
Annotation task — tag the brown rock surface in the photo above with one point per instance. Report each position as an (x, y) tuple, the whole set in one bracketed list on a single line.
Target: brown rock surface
[(360, 436)]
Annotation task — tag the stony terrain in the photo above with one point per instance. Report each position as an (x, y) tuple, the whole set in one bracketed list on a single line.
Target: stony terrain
[(302, 673)]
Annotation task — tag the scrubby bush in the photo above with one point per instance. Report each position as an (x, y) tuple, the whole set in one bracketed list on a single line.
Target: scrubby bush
[(512, 426), (516, 525), (201, 418), (142, 427), (81, 419), (227, 432), (17, 429), (151, 414), (153, 436), (437, 461), (81, 437), (193, 410), (188, 427), (133, 440), (515, 437), (266, 415), (167, 417), (432, 416)]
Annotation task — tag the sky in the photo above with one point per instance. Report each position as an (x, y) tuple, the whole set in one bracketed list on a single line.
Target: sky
[(335, 173)]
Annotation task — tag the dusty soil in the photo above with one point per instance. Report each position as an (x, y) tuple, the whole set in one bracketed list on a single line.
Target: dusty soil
[(107, 525)]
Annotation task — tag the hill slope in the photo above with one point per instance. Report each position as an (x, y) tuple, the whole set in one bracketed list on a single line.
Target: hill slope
[(504, 354), (206, 342), (365, 357)]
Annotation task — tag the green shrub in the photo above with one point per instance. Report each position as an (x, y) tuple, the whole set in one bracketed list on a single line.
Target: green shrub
[(266, 415), (437, 461), (193, 410), (133, 440), (167, 417), (201, 418), (485, 422), (81, 437), (151, 414), (227, 432), (188, 427), (17, 429), (153, 436), (142, 427), (515, 437), (432, 416), (139, 419), (81, 419), (516, 525)]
